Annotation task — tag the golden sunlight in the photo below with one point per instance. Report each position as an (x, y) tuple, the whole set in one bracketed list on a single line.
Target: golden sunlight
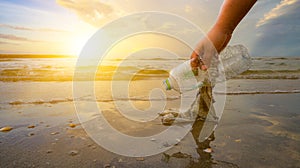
[(80, 35), (144, 41)]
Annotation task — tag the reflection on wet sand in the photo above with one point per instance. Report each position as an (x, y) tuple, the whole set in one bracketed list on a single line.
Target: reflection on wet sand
[(203, 148)]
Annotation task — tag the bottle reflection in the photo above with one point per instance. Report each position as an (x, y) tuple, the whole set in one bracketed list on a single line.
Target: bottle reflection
[(205, 113), (203, 148)]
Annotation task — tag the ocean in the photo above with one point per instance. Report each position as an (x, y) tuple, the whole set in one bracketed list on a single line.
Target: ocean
[(259, 124), (62, 69)]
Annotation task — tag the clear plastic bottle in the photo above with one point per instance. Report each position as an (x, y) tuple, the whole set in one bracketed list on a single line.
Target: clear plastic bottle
[(182, 78), (232, 61), (236, 60)]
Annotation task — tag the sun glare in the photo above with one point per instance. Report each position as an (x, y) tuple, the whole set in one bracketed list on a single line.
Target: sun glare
[(80, 36), (76, 44)]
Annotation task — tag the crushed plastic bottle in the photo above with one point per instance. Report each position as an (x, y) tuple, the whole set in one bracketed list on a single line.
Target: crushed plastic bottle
[(232, 61)]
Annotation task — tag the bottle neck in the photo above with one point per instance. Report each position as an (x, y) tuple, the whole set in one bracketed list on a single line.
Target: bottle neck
[(167, 84)]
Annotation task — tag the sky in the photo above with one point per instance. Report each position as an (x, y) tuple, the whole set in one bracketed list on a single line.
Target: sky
[(271, 28)]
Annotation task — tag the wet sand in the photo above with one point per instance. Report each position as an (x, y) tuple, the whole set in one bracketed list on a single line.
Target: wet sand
[(256, 130)]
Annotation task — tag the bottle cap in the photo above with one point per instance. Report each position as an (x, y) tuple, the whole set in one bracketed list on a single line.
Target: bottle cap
[(167, 84)]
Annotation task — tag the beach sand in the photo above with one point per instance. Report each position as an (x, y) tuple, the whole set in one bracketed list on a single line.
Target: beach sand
[(257, 129)]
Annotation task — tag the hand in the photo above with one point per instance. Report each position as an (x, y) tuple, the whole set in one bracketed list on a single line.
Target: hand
[(202, 54), (208, 48)]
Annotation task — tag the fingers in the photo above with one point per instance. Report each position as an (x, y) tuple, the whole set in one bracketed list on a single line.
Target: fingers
[(202, 55), (195, 65), (194, 60), (203, 67), (208, 54)]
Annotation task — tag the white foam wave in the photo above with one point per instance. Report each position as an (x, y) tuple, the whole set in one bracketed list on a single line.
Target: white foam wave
[(257, 92), (64, 100)]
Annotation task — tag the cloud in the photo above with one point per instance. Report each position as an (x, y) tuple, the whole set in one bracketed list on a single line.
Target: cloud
[(93, 12), (32, 29), (277, 33), (281, 9), (16, 38), (7, 43)]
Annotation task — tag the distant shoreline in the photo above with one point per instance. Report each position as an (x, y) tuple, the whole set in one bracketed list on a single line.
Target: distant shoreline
[(72, 56), (35, 56)]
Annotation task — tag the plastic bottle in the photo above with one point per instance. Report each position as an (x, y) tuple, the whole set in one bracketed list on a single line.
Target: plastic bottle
[(182, 78), (235, 60), (232, 61)]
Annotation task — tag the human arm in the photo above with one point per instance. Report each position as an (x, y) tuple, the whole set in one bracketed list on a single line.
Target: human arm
[(231, 13)]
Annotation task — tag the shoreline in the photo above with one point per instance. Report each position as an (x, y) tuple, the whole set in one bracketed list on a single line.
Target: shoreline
[(256, 130)]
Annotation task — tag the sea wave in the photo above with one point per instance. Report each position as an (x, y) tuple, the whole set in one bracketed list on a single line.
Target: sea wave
[(87, 98), (62, 69), (258, 92), (129, 73), (141, 98)]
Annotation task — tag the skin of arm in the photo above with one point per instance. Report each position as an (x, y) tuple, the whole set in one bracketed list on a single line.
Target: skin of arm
[(230, 15)]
